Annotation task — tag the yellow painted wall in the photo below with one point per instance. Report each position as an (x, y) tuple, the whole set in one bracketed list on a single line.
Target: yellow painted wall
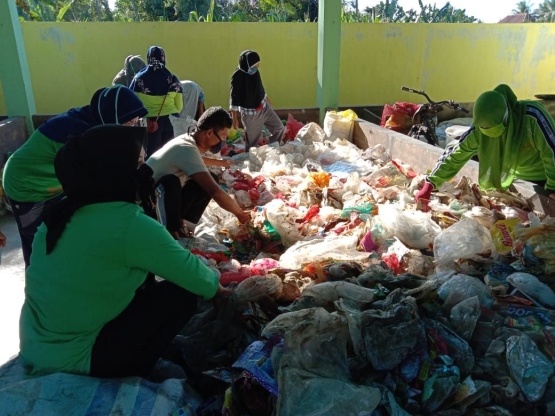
[(69, 61), (449, 61)]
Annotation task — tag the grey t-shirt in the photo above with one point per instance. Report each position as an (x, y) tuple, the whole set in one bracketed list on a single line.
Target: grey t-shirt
[(179, 156)]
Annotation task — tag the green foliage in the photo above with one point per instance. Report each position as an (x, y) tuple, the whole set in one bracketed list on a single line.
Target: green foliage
[(546, 12), (388, 11)]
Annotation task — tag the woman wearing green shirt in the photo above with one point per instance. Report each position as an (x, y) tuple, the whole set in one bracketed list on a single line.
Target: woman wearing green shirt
[(513, 140), (84, 312)]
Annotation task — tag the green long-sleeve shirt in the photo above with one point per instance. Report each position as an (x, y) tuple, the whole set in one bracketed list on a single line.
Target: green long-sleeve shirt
[(91, 276), (533, 160)]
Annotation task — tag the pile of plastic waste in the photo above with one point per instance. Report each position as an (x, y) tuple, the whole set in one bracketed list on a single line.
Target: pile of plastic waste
[(348, 300)]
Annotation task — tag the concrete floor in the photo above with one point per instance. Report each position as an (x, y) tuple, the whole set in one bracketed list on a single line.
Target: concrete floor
[(12, 285)]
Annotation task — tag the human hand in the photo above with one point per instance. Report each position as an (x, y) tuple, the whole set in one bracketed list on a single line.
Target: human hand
[(244, 216), (3, 240), (422, 198), (226, 163), (223, 291), (552, 196)]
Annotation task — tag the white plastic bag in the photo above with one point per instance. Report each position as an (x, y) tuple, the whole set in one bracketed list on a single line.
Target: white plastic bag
[(463, 240), (181, 125), (415, 229), (317, 249), (310, 133), (337, 126)]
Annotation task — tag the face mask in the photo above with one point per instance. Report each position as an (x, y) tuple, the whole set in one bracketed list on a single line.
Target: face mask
[(494, 131), (498, 130), (252, 70), (217, 147)]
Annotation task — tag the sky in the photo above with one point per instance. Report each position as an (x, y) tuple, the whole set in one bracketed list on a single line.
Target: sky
[(489, 11)]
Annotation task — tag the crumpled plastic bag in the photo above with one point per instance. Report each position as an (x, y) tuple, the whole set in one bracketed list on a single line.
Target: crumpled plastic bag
[(463, 240), (338, 125), (386, 337), (317, 249), (293, 126), (325, 294), (310, 133), (387, 176), (256, 288), (529, 367), (481, 214), (464, 317), (283, 220), (415, 229), (302, 394), (537, 242), (315, 341), (461, 287), (531, 286), (457, 348), (398, 117)]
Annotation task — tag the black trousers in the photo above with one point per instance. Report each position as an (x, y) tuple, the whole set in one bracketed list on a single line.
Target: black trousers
[(179, 203), (131, 343), (161, 136), (29, 216)]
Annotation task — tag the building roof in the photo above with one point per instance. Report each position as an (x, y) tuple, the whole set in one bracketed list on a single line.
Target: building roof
[(516, 18)]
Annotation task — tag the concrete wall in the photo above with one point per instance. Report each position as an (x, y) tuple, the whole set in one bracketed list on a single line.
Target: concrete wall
[(69, 61)]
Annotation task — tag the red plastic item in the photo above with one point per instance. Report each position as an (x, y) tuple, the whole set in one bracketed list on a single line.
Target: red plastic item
[(229, 277), (217, 256), (398, 117), (311, 213), (293, 127), (255, 195), (241, 186), (392, 261)]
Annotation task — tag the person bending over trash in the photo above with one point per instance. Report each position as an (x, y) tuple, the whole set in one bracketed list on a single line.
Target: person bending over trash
[(29, 178), (248, 97), (132, 65), (161, 93), (513, 140), (181, 158), (193, 100), (85, 311)]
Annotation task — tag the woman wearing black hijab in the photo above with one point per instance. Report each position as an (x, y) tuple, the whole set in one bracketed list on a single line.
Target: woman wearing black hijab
[(249, 98), (82, 312)]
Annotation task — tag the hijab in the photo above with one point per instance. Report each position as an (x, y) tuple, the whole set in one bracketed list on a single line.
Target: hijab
[(247, 90), (90, 175), (155, 79), (499, 110), (132, 65), (115, 105)]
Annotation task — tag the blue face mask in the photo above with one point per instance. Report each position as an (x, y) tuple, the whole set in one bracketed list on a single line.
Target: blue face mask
[(253, 70)]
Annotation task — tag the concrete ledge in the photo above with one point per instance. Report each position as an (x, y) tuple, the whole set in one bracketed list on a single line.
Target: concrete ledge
[(423, 157), (13, 133)]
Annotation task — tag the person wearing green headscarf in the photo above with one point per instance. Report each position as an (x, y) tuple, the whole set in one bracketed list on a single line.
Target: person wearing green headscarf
[(513, 140)]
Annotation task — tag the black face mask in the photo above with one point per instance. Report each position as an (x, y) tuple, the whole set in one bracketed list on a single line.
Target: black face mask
[(217, 147)]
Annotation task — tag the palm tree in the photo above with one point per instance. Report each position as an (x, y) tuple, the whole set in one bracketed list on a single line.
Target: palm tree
[(546, 11), (523, 7)]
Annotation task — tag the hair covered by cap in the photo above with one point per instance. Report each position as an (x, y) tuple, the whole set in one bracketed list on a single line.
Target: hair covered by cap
[(489, 110)]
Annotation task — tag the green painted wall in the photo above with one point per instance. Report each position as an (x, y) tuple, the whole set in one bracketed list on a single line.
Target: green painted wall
[(69, 61)]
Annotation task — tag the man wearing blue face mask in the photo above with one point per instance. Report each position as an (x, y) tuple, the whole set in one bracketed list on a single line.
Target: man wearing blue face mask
[(248, 97), (181, 158), (513, 140)]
